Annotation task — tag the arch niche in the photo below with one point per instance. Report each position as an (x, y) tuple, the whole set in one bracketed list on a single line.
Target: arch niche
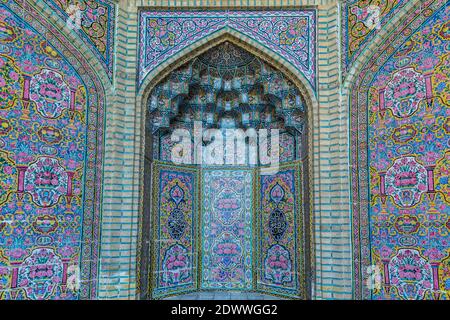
[(180, 201)]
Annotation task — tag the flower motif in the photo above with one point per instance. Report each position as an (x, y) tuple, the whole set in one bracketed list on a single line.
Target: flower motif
[(434, 255)]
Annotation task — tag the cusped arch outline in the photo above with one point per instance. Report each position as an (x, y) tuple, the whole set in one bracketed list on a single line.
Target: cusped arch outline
[(226, 34)]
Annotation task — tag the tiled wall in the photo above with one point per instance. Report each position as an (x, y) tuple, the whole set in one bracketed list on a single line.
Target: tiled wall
[(66, 43), (124, 145), (331, 254)]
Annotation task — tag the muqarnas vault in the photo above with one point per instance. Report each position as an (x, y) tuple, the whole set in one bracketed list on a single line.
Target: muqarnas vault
[(228, 227)]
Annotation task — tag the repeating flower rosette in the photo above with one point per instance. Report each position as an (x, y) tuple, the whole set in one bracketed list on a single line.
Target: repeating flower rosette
[(40, 273), (46, 181), (278, 265), (405, 181), (227, 252), (176, 266), (411, 274), (50, 93), (95, 23)]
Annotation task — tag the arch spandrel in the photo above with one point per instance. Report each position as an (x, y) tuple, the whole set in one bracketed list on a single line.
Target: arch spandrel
[(237, 38)]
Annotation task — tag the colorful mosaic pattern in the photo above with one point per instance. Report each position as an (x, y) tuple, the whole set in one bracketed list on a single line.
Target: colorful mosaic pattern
[(175, 230), (165, 146), (288, 147), (288, 150), (50, 164), (97, 25), (227, 215), (280, 231), (362, 20), (290, 34), (400, 154)]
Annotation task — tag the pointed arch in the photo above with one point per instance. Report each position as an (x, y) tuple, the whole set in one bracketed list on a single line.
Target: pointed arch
[(367, 101), (32, 16), (226, 34)]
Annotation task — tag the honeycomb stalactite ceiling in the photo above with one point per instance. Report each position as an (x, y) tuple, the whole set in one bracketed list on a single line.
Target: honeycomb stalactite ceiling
[(227, 56), (227, 87)]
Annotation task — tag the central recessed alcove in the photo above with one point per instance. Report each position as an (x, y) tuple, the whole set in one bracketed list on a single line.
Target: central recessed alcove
[(227, 205)]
